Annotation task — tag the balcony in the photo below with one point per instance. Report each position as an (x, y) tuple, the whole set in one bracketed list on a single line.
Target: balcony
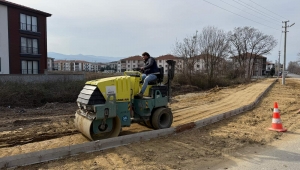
[(30, 71), (29, 29), (29, 51)]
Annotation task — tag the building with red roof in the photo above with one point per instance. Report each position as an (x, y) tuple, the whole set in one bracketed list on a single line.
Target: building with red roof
[(162, 62)]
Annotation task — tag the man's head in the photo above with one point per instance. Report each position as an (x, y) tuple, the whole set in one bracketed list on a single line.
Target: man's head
[(145, 55)]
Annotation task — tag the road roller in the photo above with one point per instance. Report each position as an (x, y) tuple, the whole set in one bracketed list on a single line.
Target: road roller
[(108, 104)]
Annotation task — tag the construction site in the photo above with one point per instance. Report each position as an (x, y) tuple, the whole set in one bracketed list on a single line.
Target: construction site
[(74, 93), (246, 114)]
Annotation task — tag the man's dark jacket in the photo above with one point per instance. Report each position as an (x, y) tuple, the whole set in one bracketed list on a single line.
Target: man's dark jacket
[(150, 66)]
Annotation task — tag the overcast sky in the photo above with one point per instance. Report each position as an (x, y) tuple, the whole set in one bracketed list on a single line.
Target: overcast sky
[(122, 28)]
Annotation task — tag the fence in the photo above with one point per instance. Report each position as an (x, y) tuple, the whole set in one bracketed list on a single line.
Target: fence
[(41, 78)]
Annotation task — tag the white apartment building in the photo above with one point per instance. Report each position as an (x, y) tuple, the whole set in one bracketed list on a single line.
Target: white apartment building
[(87, 66), (121, 66), (4, 54), (128, 64), (58, 65), (77, 65), (50, 63), (113, 65), (68, 65), (80, 65)]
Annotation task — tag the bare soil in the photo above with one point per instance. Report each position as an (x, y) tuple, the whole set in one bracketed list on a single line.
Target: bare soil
[(51, 126)]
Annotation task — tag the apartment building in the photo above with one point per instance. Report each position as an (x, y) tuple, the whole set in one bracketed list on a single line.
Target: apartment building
[(81, 65), (162, 62), (137, 61), (69, 65), (113, 65), (257, 64), (121, 65), (50, 63), (77, 65), (130, 63), (23, 40)]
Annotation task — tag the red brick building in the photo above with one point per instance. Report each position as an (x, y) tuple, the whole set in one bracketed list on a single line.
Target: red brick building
[(23, 46)]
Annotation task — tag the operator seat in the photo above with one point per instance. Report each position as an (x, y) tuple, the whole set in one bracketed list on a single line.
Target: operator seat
[(159, 75)]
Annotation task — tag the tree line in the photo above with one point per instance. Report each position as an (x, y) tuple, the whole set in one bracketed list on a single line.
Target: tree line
[(294, 66), (215, 48)]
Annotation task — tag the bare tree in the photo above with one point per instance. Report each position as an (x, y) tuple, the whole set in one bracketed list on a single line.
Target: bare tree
[(187, 50), (214, 48), (247, 44), (294, 67)]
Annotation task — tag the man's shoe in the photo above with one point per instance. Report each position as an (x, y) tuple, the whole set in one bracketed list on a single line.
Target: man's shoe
[(138, 96)]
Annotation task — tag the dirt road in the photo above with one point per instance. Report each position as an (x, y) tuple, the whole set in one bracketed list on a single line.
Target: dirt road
[(187, 150)]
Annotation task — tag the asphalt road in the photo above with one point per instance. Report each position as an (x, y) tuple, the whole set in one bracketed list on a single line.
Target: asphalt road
[(293, 75), (283, 154)]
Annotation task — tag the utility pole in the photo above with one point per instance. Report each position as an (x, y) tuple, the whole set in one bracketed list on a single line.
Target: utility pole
[(284, 58), (278, 66)]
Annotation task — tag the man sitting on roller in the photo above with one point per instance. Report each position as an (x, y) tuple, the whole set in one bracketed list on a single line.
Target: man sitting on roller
[(148, 70)]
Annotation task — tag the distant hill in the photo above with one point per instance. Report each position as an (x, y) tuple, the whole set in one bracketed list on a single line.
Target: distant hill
[(89, 58)]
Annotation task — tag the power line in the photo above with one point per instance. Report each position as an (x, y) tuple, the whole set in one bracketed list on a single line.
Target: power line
[(241, 16), (267, 9), (261, 12), (253, 9), (250, 13)]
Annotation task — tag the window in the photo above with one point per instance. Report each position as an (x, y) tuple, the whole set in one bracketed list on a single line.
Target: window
[(198, 66), (128, 65), (133, 61), (29, 46), (133, 66), (30, 67), (28, 23), (159, 66)]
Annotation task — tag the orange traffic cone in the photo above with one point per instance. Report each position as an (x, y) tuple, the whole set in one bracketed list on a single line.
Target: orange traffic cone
[(276, 121)]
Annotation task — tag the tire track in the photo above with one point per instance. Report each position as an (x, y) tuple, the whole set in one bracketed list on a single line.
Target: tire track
[(228, 103)]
